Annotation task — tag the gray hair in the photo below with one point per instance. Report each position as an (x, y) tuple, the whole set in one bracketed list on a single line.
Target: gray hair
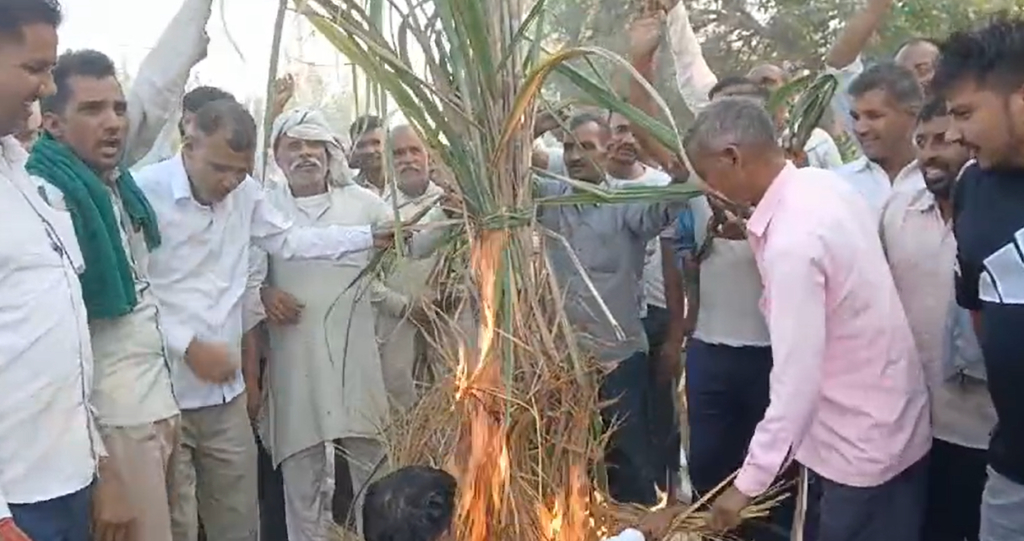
[(735, 120), (898, 83)]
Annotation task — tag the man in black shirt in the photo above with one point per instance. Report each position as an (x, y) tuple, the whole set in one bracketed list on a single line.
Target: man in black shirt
[(981, 75)]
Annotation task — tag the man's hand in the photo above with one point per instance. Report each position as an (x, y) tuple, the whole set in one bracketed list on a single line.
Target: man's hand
[(725, 512), (656, 525), (546, 121), (421, 310), (282, 308), (284, 90), (9, 531), (112, 517), (384, 237), (211, 362), (645, 35)]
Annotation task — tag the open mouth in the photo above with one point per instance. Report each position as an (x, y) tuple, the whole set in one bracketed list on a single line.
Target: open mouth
[(110, 147)]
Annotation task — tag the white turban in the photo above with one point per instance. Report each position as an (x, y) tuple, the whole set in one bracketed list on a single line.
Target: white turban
[(310, 125)]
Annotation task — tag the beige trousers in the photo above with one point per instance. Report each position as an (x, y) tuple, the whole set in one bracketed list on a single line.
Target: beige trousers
[(309, 485), (215, 475), (142, 455)]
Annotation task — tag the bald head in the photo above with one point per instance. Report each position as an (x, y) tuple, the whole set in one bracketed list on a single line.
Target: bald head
[(768, 75), (919, 56)]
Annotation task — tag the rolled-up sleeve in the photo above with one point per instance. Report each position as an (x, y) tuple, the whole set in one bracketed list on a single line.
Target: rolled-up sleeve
[(794, 289), (842, 104), (693, 75), (157, 89), (5, 510), (648, 220)]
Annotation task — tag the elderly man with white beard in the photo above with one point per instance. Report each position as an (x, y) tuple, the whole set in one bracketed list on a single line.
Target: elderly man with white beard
[(404, 300), (322, 385)]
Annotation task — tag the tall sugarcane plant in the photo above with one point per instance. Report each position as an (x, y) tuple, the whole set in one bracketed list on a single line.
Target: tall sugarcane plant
[(516, 421)]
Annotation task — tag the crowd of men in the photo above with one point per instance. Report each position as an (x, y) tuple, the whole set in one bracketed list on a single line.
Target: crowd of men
[(165, 316)]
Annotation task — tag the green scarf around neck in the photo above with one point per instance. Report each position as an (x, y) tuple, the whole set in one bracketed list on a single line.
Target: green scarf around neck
[(108, 283)]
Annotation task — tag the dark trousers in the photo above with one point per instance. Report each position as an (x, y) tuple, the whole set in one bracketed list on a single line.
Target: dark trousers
[(892, 511), (271, 496), (662, 415), (727, 394), (956, 480), (65, 518), (631, 478)]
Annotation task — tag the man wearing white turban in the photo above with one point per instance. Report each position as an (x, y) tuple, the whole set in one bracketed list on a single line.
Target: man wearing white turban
[(323, 377)]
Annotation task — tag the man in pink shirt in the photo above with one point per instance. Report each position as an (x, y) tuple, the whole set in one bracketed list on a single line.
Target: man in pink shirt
[(848, 395)]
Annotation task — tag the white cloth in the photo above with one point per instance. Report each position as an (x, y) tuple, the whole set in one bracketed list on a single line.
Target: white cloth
[(324, 376), (654, 280), (310, 125), (629, 534), (730, 289), (200, 271), (872, 182), (48, 441), (406, 282), (155, 95)]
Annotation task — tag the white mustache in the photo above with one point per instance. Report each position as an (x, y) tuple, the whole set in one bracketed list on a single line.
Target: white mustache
[(303, 163)]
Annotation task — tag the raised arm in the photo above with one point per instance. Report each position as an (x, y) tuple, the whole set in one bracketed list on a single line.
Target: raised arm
[(693, 75), (160, 83), (856, 34), (645, 33)]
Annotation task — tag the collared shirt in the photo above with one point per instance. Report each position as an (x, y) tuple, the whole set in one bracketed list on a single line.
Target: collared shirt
[(848, 392), (730, 284), (132, 385), (654, 281), (872, 182), (608, 243), (200, 272), (921, 250), (48, 442), (695, 80)]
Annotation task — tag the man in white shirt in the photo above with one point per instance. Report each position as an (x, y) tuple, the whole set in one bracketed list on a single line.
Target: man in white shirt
[(49, 448), (79, 157), (209, 210), (886, 100)]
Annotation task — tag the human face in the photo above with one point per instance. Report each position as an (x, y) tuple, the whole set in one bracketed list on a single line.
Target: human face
[(214, 169), (30, 133), (367, 151), (988, 122), (768, 76), (920, 59), (940, 159), (622, 148), (25, 74), (411, 161), (881, 126), (585, 151), (93, 123), (303, 161)]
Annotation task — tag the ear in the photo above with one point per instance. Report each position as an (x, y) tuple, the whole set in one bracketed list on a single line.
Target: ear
[(54, 125), (731, 155)]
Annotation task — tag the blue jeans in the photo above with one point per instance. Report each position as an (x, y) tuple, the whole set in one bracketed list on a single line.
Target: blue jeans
[(727, 394), (65, 518), (628, 456)]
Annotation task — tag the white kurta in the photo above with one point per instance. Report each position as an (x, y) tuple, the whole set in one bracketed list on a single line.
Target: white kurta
[(405, 283), (325, 378)]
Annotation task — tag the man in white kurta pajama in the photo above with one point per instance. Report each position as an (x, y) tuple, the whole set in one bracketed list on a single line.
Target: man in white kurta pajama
[(324, 382)]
